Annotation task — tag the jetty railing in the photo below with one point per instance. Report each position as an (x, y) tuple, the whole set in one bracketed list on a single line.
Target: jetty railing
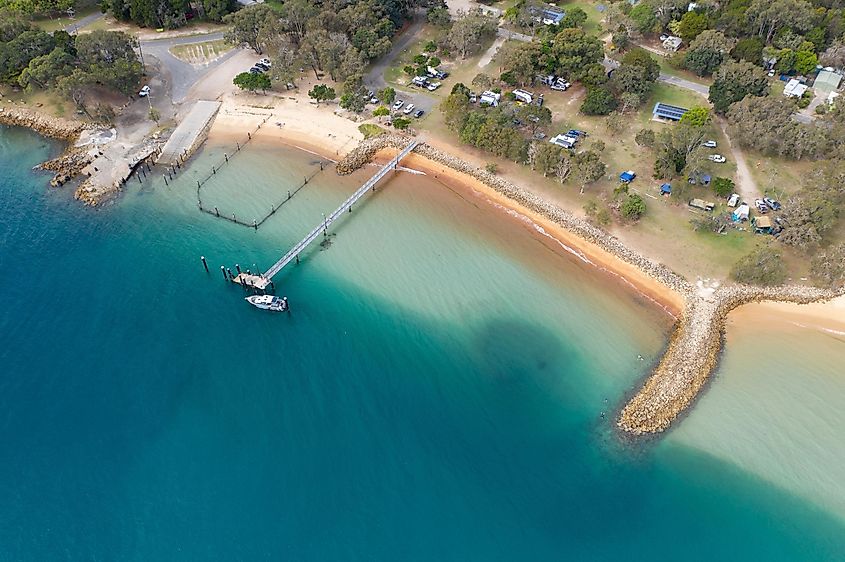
[(294, 252)]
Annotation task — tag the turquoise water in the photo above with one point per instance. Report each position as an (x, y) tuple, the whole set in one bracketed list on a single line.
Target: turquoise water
[(436, 393)]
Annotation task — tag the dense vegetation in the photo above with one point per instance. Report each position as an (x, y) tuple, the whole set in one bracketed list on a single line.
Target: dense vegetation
[(167, 14), (69, 64)]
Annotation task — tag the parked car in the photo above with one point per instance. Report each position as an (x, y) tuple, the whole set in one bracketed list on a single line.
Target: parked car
[(771, 73), (663, 37), (266, 62), (761, 206), (262, 66), (408, 109), (717, 158), (577, 133), (539, 135), (419, 113), (374, 100), (397, 105), (709, 144), (771, 203), (733, 200), (473, 98), (256, 70), (433, 86), (145, 91)]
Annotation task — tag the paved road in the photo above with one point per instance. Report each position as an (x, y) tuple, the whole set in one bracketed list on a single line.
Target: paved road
[(180, 75), (87, 20), (685, 84), (375, 77)]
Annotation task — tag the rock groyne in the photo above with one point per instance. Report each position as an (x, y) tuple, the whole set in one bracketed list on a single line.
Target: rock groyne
[(696, 342)]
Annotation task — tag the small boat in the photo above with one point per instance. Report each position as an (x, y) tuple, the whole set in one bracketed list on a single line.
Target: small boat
[(268, 302)]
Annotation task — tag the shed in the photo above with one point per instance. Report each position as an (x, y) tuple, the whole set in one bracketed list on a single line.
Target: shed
[(762, 224), (666, 189), (705, 179), (664, 111), (627, 176), (826, 82), (672, 43), (794, 89), (741, 213)]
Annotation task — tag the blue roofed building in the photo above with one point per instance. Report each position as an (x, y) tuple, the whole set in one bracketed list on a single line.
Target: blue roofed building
[(666, 112), (550, 15)]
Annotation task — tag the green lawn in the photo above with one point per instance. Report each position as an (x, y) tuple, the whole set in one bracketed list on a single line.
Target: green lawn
[(593, 24), (56, 23)]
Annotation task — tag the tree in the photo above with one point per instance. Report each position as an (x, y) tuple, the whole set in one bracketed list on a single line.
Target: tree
[(632, 79), (640, 57), (697, 116), (575, 17), (295, 15), (633, 207), (355, 94), (587, 168), (643, 17), (321, 92), (252, 81), (763, 266), (645, 137), (386, 95), (723, 187), (805, 62), (482, 81), (401, 123), (469, 31), (765, 124), (707, 52), (828, 266), (573, 52), (108, 58), (438, 17), (45, 71), (216, 10), (16, 54), (735, 80), (769, 16), (381, 111), (535, 116), (749, 49), (834, 55), (692, 24), (520, 60), (247, 24), (599, 101)]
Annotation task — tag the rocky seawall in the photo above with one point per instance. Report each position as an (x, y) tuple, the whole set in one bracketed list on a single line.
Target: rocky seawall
[(695, 344), (46, 125)]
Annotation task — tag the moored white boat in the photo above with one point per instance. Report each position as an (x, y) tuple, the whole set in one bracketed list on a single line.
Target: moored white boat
[(268, 302)]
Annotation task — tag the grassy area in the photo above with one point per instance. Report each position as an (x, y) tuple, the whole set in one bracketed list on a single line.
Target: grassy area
[(198, 53), (56, 23), (667, 68), (38, 99), (370, 130), (593, 25)]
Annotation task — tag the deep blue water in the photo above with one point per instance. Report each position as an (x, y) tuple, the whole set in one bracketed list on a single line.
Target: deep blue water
[(147, 413)]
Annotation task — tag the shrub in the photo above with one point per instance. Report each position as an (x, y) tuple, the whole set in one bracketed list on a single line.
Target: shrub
[(409, 70), (762, 266), (420, 59), (491, 167), (599, 101), (633, 207), (430, 47), (645, 137), (723, 187), (434, 62), (821, 109), (401, 123)]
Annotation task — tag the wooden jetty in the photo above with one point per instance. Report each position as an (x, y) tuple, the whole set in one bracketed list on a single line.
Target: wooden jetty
[(262, 281)]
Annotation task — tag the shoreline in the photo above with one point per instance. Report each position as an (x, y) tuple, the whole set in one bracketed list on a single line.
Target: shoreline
[(697, 341)]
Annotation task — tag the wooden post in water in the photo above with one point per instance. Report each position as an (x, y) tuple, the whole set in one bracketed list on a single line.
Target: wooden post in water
[(204, 264), (223, 271), (238, 267)]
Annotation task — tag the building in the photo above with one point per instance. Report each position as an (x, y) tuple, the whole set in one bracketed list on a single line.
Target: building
[(827, 82), (550, 15), (762, 224), (672, 43), (794, 89), (666, 112), (566, 141)]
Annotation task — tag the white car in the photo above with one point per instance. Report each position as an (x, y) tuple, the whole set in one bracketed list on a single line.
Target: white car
[(408, 109), (397, 105), (145, 91), (709, 144), (717, 158), (433, 86), (265, 62)]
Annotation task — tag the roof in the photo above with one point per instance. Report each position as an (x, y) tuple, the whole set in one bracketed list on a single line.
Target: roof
[(672, 43), (794, 88), (763, 222), (827, 81), (627, 175), (550, 14), (666, 111), (666, 188)]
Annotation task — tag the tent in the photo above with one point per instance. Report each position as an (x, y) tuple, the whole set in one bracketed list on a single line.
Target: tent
[(627, 176), (741, 213), (762, 225), (666, 189)]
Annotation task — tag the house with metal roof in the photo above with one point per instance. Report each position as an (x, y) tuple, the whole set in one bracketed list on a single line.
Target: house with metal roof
[(550, 15), (666, 112), (672, 43), (794, 89)]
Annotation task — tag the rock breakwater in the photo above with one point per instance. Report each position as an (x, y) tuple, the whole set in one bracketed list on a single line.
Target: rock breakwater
[(695, 345), (46, 125)]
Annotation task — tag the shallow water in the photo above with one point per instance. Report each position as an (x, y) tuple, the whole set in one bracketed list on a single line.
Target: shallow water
[(435, 394)]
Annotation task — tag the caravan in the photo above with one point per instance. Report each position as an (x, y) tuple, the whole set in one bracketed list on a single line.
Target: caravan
[(489, 98), (523, 96)]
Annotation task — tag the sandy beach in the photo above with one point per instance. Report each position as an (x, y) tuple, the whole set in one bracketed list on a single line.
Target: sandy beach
[(826, 317), (300, 123)]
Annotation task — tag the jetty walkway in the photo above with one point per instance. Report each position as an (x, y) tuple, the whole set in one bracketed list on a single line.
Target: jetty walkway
[(190, 133), (262, 281)]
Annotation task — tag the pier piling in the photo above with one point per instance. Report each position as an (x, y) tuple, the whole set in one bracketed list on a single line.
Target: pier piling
[(238, 268), (204, 264), (223, 271)]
